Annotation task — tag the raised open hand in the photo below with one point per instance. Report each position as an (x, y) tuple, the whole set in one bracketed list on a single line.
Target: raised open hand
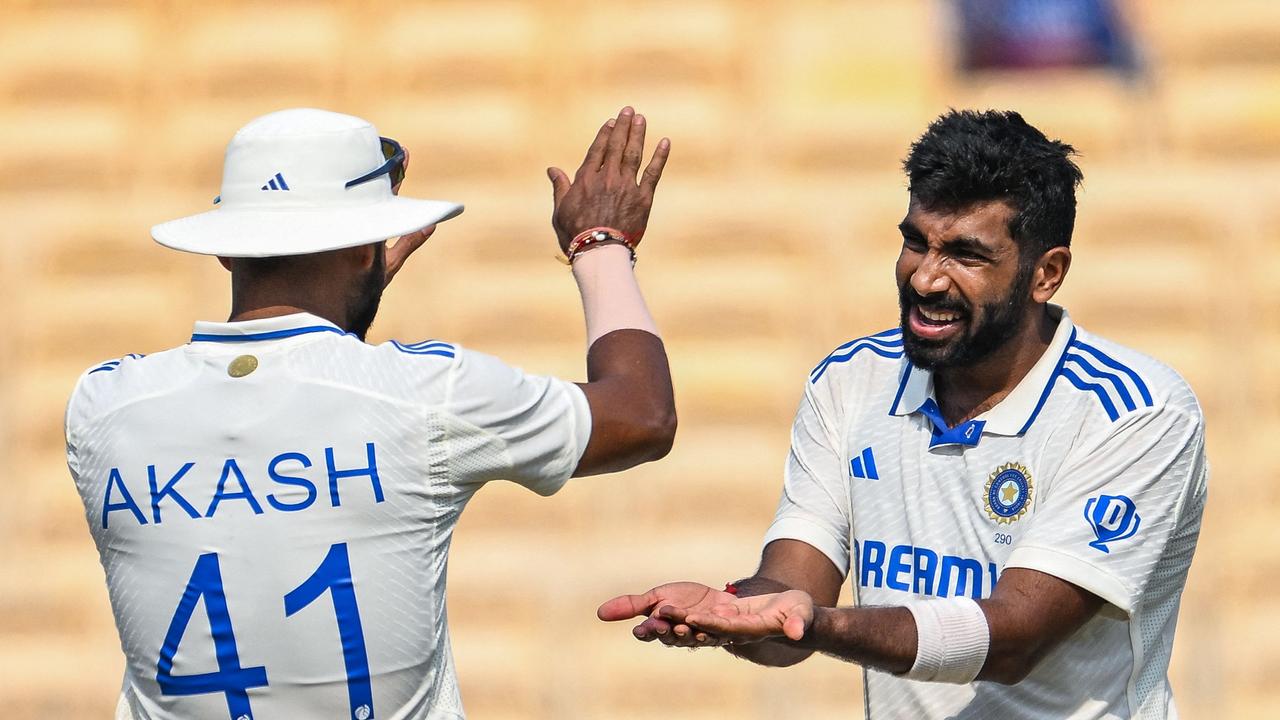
[(665, 607), (398, 253), (605, 191), (758, 617)]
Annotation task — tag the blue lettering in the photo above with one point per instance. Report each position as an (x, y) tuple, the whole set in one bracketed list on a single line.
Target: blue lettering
[(968, 574), (169, 490), (872, 561), (114, 480), (228, 470), (926, 565), (305, 462), (371, 470), (922, 571), (898, 566)]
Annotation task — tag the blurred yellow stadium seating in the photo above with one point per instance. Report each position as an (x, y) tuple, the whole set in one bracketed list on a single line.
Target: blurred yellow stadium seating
[(772, 241)]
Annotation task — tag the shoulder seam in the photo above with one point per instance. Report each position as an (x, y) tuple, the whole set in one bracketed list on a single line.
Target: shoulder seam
[(886, 344)]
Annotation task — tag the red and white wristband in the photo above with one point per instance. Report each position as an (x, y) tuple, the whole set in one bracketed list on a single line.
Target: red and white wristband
[(611, 298), (594, 236)]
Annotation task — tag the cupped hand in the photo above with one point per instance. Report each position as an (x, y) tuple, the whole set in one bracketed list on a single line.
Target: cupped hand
[(760, 617), (605, 191), (664, 609)]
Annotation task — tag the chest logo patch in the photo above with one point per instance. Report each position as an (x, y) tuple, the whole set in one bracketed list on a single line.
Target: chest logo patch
[(1008, 493)]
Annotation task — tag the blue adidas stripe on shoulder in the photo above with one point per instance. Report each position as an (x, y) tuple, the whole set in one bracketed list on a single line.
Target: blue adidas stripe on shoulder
[(1116, 365), (1090, 370), (426, 347), (110, 365), (887, 344), (1094, 388)]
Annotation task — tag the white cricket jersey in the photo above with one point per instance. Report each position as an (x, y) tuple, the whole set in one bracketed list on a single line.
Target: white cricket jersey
[(273, 505), (1091, 470)]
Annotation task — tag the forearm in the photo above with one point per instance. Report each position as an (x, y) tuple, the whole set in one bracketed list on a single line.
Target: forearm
[(611, 297), (883, 638), (628, 377)]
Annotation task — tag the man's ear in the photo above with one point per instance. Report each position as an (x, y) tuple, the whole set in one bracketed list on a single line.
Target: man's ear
[(1051, 271)]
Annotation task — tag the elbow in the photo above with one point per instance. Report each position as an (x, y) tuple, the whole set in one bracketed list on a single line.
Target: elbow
[(660, 434)]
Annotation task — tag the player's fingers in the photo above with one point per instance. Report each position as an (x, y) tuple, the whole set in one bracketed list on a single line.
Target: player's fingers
[(651, 629), (687, 637), (595, 153), (633, 153), (559, 184), (793, 627), (671, 613), (680, 636), (617, 140), (624, 607), (692, 636), (397, 254), (653, 171), (705, 639)]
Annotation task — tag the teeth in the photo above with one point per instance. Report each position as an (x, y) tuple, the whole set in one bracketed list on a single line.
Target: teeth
[(941, 317)]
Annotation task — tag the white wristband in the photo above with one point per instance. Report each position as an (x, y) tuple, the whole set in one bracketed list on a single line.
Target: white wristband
[(952, 640), (611, 298)]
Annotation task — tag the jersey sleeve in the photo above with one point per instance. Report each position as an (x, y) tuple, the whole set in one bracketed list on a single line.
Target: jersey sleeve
[(76, 416), (1121, 506), (529, 429), (70, 430), (814, 508)]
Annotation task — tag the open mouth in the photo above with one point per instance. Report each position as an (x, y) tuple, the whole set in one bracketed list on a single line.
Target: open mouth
[(935, 324)]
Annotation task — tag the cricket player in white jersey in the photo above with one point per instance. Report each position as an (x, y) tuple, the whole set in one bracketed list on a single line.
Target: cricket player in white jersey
[(273, 501), (1014, 500)]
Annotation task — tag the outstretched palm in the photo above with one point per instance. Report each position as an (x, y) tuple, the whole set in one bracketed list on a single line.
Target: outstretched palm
[(667, 606), (759, 617)]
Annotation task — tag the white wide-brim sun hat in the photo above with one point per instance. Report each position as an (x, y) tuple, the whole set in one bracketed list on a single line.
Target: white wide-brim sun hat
[(284, 192)]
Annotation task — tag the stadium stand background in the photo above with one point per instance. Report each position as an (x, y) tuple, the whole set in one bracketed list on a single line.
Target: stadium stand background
[(772, 242)]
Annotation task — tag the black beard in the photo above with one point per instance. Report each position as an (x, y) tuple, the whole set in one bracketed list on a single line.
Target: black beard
[(363, 307), (989, 328)]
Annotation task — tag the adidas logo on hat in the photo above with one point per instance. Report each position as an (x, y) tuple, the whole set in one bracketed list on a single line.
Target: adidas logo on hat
[(272, 183)]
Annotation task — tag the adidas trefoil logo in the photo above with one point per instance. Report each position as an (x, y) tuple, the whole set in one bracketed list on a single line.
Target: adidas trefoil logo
[(276, 183)]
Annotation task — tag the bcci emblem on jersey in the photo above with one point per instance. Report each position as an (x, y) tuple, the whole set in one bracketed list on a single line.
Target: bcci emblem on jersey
[(1008, 492)]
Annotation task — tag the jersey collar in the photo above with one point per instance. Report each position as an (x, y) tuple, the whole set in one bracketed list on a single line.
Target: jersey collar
[(1012, 416), (273, 328)]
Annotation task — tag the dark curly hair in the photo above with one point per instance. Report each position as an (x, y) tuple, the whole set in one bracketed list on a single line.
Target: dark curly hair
[(967, 157)]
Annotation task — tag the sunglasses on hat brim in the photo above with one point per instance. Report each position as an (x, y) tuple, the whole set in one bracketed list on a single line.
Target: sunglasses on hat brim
[(394, 166)]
